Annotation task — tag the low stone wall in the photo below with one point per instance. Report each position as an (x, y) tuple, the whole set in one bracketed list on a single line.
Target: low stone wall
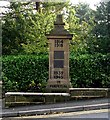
[(16, 99), (77, 93), (20, 98)]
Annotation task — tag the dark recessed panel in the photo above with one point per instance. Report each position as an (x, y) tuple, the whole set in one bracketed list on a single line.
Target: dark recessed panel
[(58, 63), (58, 54)]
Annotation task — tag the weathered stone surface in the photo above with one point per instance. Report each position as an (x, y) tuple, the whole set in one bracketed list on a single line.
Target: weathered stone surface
[(59, 29), (59, 57)]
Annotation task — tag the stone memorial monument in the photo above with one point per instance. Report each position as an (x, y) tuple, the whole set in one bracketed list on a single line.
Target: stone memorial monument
[(59, 57)]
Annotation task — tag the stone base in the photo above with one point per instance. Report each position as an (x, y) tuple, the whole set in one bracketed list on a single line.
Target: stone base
[(58, 86), (57, 90)]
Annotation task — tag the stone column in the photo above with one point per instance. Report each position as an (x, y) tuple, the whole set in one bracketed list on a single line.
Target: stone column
[(59, 57)]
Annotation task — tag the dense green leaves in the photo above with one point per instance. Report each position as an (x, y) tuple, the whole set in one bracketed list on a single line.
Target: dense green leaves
[(90, 70), (101, 31), (30, 73), (25, 73), (24, 31), (14, 28), (80, 23)]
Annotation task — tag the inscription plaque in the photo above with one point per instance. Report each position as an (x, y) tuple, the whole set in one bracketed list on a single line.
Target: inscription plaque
[(58, 63), (58, 74), (58, 43), (58, 54)]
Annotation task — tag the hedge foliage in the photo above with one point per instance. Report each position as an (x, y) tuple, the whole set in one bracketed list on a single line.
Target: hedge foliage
[(90, 71), (25, 73), (30, 72)]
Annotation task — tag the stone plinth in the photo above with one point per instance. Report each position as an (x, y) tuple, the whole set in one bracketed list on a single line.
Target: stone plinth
[(59, 58)]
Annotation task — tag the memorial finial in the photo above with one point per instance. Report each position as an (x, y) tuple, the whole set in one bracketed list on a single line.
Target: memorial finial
[(59, 20)]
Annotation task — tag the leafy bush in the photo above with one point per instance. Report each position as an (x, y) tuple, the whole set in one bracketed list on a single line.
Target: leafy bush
[(90, 70), (30, 72), (25, 73)]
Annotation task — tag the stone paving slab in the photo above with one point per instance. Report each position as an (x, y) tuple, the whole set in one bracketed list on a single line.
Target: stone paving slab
[(58, 107)]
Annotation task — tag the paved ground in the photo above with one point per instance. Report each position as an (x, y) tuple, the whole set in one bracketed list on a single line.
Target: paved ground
[(82, 115), (56, 105), (72, 106)]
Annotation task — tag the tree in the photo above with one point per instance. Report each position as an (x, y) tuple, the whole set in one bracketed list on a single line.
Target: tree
[(45, 17), (101, 31), (25, 28), (80, 23), (14, 28), (84, 12)]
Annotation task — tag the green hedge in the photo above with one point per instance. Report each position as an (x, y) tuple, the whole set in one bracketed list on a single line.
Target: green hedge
[(90, 71), (30, 72), (25, 73)]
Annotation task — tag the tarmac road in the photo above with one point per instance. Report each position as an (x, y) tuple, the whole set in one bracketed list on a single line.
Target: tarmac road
[(50, 110), (102, 114)]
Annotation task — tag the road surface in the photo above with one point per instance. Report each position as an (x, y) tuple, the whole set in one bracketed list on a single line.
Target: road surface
[(102, 114)]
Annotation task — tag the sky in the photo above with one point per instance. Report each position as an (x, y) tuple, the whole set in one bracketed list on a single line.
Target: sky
[(91, 2)]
